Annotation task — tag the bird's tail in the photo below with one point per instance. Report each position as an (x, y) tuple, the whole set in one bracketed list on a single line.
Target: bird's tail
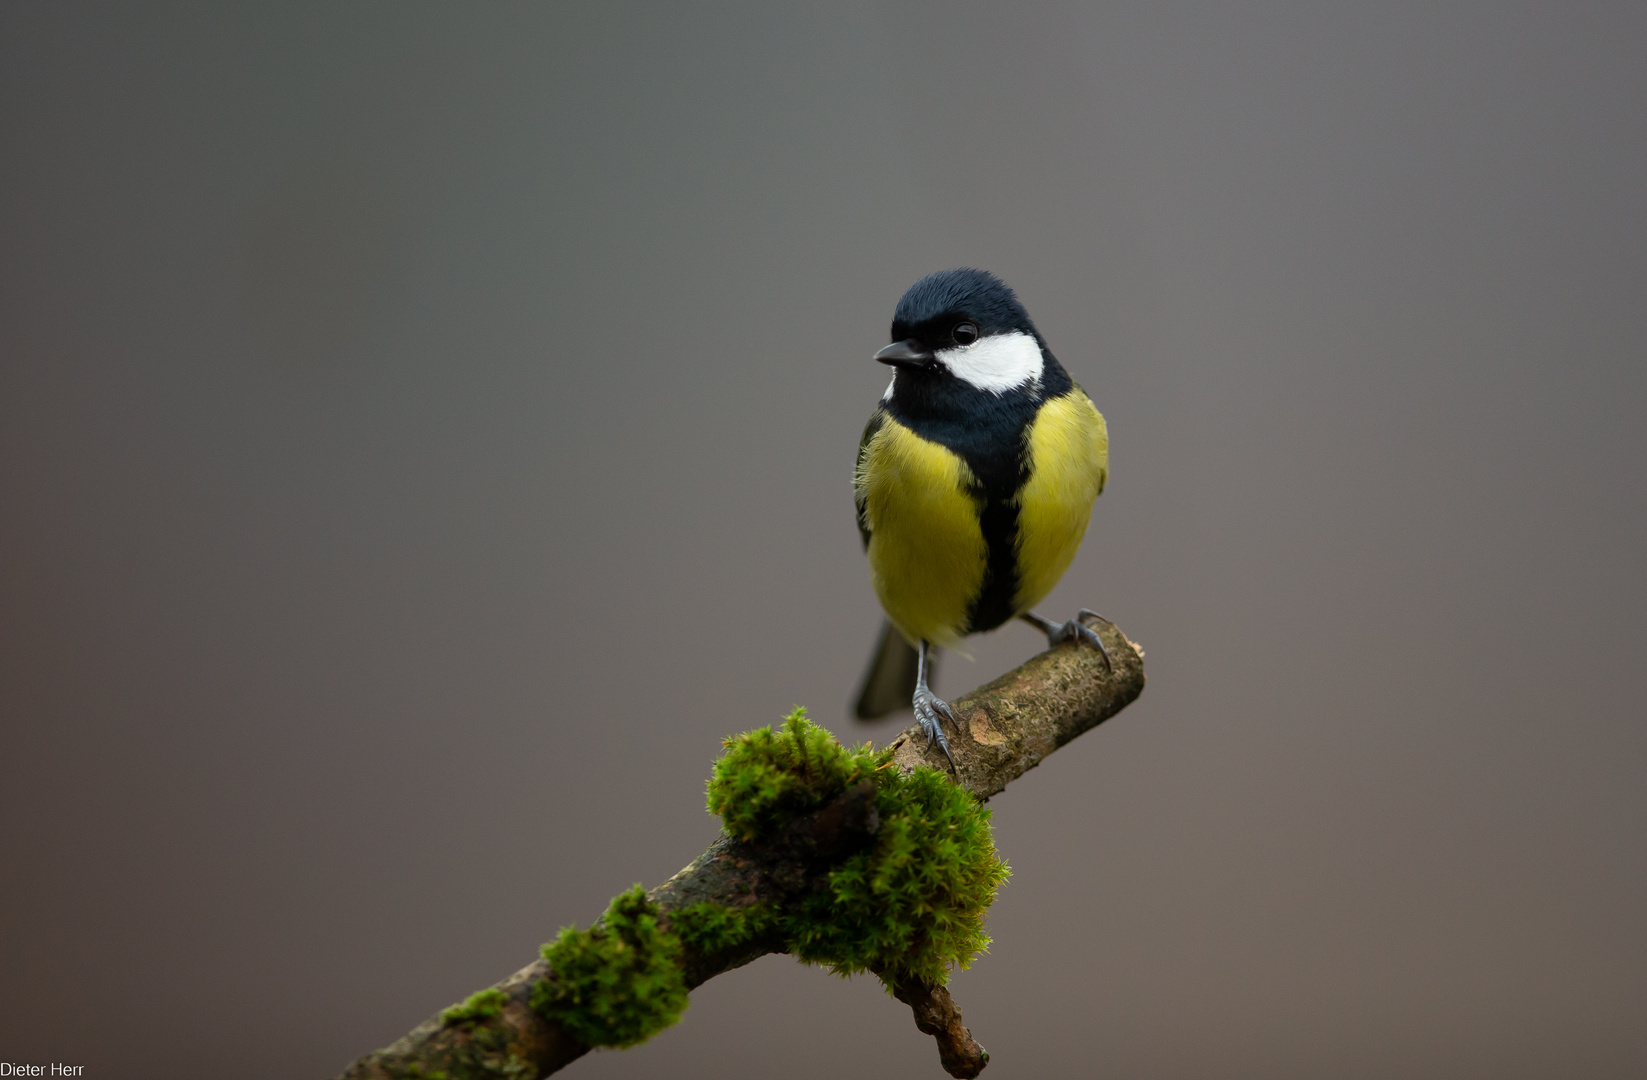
[(889, 683)]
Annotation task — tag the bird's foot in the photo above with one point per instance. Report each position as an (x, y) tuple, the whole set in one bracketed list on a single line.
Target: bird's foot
[(1076, 630), (931, 711)]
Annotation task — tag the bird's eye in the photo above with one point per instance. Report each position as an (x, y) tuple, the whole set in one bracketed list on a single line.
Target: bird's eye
[(964, 333)]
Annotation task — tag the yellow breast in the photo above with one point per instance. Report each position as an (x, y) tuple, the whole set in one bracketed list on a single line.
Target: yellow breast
[(926, 550), (1068, 447)]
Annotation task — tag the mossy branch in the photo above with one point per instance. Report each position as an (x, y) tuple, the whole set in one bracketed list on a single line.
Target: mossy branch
[(726, 908)]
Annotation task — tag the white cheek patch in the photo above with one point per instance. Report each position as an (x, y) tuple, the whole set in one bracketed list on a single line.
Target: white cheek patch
[(891, 386), (997, 363)]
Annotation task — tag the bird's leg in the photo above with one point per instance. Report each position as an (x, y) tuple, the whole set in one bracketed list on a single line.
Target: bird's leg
[(932, 710), (1074, 630)]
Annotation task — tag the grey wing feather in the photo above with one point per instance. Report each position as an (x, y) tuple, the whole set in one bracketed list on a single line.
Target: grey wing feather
[(870, 429)]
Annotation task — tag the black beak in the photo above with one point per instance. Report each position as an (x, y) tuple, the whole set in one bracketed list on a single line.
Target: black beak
[(905, 354)]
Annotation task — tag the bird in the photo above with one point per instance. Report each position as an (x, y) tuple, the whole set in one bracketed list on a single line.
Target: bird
[(975, 480)]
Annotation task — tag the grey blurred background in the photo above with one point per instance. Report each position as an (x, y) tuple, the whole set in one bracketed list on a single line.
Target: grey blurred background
[(427, 432)]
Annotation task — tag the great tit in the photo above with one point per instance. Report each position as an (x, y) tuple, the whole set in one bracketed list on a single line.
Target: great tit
[(975, 481)]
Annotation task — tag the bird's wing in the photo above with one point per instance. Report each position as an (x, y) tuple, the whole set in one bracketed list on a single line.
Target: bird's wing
[(858, 496)]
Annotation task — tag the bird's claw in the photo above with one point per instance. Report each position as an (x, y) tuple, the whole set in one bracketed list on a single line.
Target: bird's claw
[(931, 711), (1077, 630)]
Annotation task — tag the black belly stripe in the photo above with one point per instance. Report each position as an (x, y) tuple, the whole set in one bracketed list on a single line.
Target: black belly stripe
[(994, 603)]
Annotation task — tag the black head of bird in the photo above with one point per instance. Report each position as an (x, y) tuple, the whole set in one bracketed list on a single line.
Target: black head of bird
[(964, 325)]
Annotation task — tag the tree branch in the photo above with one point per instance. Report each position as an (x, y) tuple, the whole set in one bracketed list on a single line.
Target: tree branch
[(1007, 728)]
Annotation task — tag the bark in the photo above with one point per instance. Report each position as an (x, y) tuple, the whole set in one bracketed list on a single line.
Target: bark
[(936, 1014), (1007, 728)]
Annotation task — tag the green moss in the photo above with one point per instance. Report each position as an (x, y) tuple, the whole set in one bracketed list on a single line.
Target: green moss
[(488, 1056), (415, 1071), (617, 983), (711, 928), (766, 778), (481, 1053), (480, 1006), (912, 905)]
